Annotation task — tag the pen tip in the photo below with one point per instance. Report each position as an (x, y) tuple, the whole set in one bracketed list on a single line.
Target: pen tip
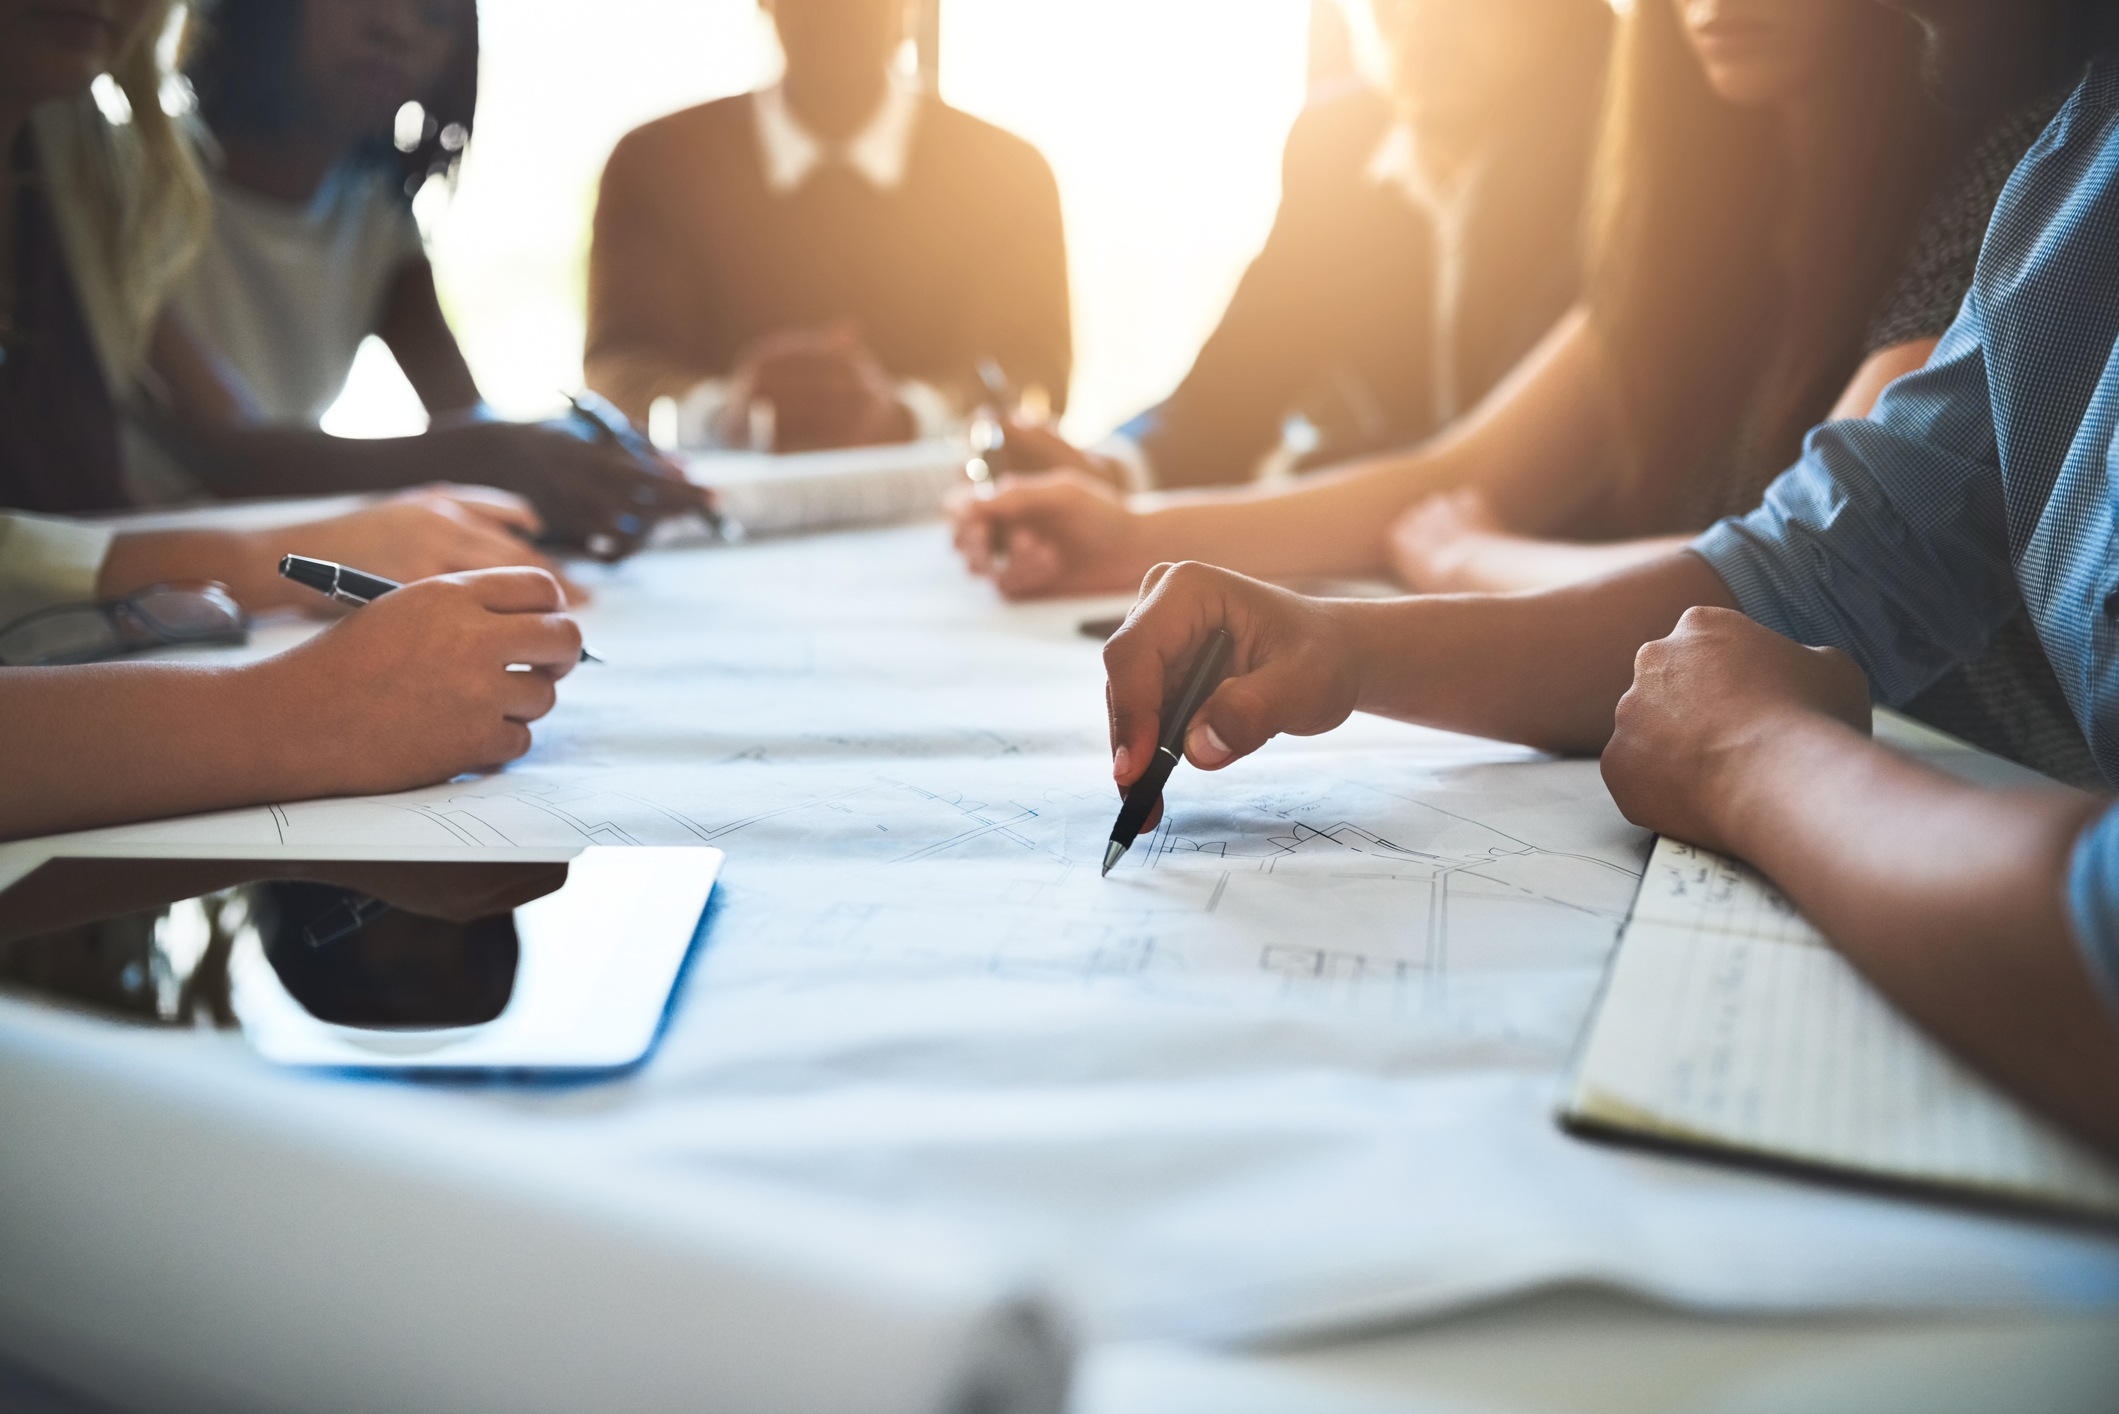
[(1113, 852)]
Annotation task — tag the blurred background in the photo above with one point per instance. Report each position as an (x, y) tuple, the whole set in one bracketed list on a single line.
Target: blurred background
[(1163, 121)]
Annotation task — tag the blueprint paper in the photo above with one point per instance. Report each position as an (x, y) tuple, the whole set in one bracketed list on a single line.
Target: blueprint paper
[(1293, 1066)]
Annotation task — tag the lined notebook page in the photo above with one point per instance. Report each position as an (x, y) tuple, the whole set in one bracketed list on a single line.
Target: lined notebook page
[(1730, 1022)]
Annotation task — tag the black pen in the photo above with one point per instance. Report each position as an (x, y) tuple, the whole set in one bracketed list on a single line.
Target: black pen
[(1207, 668), (988, 435), (351, 586)]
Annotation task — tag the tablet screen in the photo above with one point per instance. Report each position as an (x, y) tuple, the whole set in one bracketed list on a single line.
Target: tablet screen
[(387, 964)]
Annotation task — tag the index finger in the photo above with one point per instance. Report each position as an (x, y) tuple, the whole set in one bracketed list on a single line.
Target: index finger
[(518, 590), (1163, 632), (550, 643)]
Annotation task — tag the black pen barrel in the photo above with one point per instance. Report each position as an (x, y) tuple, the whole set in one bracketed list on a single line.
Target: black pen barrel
[(1142, 795)]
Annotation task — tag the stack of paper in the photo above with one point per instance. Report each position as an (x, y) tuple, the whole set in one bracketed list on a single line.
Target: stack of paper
[(769, 494)]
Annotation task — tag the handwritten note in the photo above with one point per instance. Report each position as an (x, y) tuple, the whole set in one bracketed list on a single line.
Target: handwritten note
[(1730, 1022)]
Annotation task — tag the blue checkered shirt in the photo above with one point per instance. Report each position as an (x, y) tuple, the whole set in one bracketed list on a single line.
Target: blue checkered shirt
[(1896, 537)]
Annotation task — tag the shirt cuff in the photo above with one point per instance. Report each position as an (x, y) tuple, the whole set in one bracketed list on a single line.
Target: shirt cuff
[(2093, 899), (46, 561), (1130, 455), (1735, 553)]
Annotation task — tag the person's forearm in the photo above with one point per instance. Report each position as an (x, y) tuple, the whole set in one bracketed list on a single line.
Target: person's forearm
[(243, 561), (1332, 523), (1949, 898), (1535, 439), (1506, 564), (419, 338), (106, 744), (1545, 669), (250, 460)]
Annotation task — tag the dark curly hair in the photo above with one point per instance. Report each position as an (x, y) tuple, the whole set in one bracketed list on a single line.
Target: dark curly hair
[(243, 67)]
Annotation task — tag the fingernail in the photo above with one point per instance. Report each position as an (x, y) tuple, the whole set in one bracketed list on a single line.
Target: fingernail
[(1206, 747), (1120, 760)]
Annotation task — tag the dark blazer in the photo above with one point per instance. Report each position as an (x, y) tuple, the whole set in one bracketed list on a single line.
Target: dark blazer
[(1334, 318), (693, 258)]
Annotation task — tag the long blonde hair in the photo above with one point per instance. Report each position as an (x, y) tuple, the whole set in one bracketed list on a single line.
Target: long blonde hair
[(129, 199)]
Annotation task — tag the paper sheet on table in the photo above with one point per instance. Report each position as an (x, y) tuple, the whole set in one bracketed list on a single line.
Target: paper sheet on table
[(1294, 1065)]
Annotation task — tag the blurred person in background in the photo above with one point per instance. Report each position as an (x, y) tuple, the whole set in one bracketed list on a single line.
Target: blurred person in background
[(1785, 222), (1762, 168), (95, 218), (1428, 236), (1899, 543), (838, 248), (312, 248), (1494, 537)]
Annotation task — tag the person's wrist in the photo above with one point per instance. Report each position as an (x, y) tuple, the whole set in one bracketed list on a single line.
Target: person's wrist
[(276, 749), (1367, 635), (1740, 782), (252, 573), (1154, 532)]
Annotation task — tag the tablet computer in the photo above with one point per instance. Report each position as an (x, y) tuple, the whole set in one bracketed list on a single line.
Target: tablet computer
[(466, 964)]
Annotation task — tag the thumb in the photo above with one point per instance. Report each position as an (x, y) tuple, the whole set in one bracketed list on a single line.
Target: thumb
[(1245, 713)]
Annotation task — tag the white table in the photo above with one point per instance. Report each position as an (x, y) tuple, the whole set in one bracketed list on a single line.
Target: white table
[(743, 680)]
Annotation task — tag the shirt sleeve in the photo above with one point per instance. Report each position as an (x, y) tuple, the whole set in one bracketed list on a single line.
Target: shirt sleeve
[(1888, 539), (2093, 898), (46, 561)]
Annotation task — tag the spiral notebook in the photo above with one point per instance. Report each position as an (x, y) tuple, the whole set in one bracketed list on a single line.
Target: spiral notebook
[(1729, 1026)]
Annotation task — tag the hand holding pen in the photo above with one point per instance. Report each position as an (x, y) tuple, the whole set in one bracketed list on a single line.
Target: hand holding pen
[(344, 584), (660, 492), (1294, 664), (440, 677), (1144, 793)]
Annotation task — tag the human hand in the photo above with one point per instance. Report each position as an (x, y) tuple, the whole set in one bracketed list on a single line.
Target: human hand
[(417, 534), (1035, 446), (589, 493), (1435, 546), (1711, 703), (1296, 667), (1059, 532), (416, 687), (826, 389)]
